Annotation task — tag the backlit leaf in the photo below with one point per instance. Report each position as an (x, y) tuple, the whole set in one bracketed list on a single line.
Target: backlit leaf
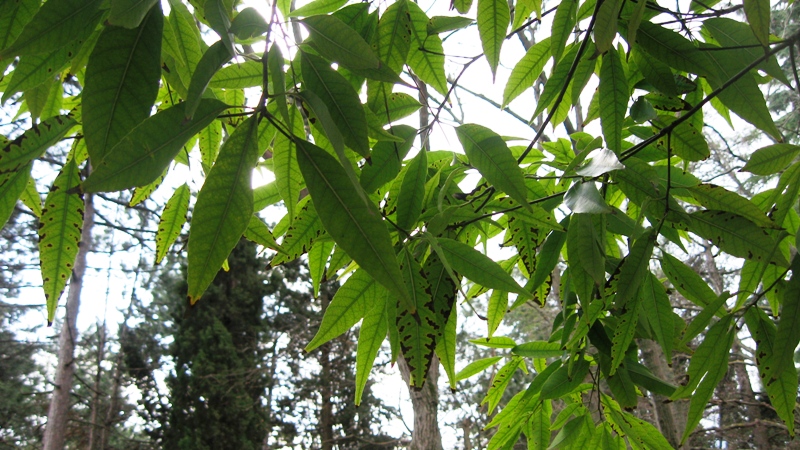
[(212, 60), (257, 231), (12, 185), (393, 38), (129, 13), (340, 43), (527, 70), (370, 337), (787, 335), (172, 219), (538, 349), (758, 16), (771, 159), (477, 367), (248, 24), (301, 235), (238, 76), (417, 329), (317, 259), (34, 142), (357, 296), (478, 267), (493, 20), (563, 23), (426, 54), (317, 7)]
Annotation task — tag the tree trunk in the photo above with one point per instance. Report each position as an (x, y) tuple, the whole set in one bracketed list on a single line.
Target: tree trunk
[(667, 418), (760, 434), (96, 397), (426, 435), (326, 409), (55, 430)]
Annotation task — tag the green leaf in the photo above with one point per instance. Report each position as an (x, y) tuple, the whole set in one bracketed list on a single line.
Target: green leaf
[(478, 267), (34, 142), (495, 342), (317, 259), (565, 379), (248, 24), (477, 367), (412, 191), (12, 185), (732, 33), (122, 78), (563, 23), (418, 329), (426, 54), (370, 337), (758, 16), (538, 349), (717, 197), (584, 249), (285, 166), (446, 347), (278, 79), (188, 43), (13, 18), (701, 320), (396, 106), (238, 76), (212, 60), (357, 296), (443, 24), (341, 100), (355, 226), (36, 73), (386, 159), (223, 209), (318, 7), (658, 312), (499, 383), (633, 269), (496, 310), (141, 156), (493, 19), (488, 153), (31, 198), (655, 71), (737, 235), (462, 6), (624, 332), (340, 43), (614, 91), (782, 391), (60, 235), (686, 281), (301, 235), (672, 49), (605, 27), (257, 231), (129, 13), (55, 25), (526, 71), (393, 38), (787, 335), (218, 16), (172, 219), (584, 198), (771, 159)]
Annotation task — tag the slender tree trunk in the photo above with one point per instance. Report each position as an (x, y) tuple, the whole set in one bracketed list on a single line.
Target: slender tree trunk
[(667, 417), (326, 409), (760, 434), (96, 397), (56, 428), (426, 435)]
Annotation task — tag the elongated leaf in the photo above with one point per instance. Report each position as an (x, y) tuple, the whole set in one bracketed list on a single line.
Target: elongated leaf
[(565, 379), (340, 43), (386, 157), (624, 332), (716, 197), (527, 69), (122, 78), (188, 46), (223, 209), (634, 268), (317, 7), (687, 281), (495, 342), (31, 198), (35, 74), (563, 23), (288, 178), (317, 259), (248, 24), (396, 106), (418, 330), (477, 367), (55, 25), (426, 54), (737, 236), (493, 19), (614, 91), (60, 235), (412, 191), (141, 156), (257, 231), (443, 24), (584, 250), (393, 38), (12, 185), (478, 267), (305, 229), (212, 60), (357, 296), (218, 16), (771, 159), (758, 15), (129, 13), (538, 349), (658, 311), (782, 391), (238, 76), (605, 28), (34, 142), (787, 335), (488, 153), (172, 219), (446, 347), (356, 226), (673, 49), (370, 337), (13, 18), (499, 383), (496, 310), (341, 100), (655, 71), (732, 33)]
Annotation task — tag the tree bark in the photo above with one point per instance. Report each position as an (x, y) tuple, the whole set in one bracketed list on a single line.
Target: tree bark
[(96, 397), (56, 428), (667, 417), (426, 435), (326, 409)]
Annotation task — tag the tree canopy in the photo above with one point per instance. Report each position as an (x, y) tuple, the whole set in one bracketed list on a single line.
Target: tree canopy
[(321, 97)]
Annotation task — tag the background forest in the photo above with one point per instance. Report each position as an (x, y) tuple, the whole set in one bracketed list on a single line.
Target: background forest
[(336, 224)]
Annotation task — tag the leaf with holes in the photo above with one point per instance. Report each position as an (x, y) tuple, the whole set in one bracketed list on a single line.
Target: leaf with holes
[(60, 235), (34, 142), (172, 219), (418, 329), (717, 197), (499, 383), (393, 38)]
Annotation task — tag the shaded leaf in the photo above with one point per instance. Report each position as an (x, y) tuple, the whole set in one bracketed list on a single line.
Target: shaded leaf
[(351, 302), (212, 60), (478, 267), (614, 91), (129, 13), (34, 142), (412, 191)]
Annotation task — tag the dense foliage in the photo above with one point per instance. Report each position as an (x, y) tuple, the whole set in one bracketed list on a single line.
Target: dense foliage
[(599, 216)]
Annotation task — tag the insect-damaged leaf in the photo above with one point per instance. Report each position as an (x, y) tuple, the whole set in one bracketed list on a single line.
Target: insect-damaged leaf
[(355, 225), (122, 78), (60, 234), (418, 329), (141, 156), (12, 185), (34, 142), (223, 209)]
